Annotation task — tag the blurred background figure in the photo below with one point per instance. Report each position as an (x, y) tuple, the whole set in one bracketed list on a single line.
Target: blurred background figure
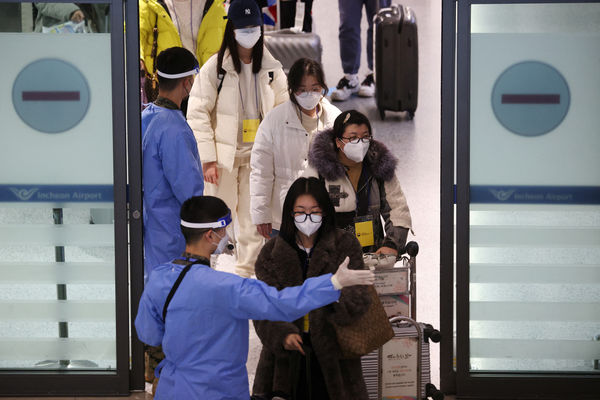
[(350, 47), (196, 25), (95, 16)]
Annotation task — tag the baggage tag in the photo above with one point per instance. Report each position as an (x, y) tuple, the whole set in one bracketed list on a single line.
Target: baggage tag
[(249, 128), (363, 228), (399, 368)]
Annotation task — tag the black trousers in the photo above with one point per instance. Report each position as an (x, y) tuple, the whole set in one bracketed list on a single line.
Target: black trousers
[(309, 382), (288, 14)]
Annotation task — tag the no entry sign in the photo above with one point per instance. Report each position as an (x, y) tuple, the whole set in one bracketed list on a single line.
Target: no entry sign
[(51, 95)]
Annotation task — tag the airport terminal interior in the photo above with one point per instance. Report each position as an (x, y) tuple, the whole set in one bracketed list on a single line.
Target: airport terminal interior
[(537, 255)]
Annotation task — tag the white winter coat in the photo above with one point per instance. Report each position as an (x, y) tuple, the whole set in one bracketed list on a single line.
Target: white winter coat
[(279, 157), (214, 117)]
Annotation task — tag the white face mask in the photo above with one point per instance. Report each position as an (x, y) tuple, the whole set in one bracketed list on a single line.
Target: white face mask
[(308, 100), (222, 243), (247, 37), (356, 151), (307, 226)]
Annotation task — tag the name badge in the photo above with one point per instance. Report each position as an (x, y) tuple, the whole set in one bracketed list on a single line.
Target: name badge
[(363, 228), (249, 128)]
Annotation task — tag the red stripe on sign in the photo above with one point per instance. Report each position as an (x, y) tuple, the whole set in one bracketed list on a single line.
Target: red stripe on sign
[(51, 96), (531, 99)]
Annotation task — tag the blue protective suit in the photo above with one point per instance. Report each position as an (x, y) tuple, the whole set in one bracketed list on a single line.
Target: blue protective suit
[(172, 173), (205, 338)]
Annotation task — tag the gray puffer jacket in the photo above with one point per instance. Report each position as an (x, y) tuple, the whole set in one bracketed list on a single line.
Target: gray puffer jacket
[(379, 193)]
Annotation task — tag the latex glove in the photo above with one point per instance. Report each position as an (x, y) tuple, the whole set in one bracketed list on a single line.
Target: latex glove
[(350, 277)]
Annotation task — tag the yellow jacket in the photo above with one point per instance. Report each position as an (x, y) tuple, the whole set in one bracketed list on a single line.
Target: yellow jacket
[(210, 34)]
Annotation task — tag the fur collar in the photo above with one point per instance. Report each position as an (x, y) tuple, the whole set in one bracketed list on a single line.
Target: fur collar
[(323, 157), (324, 252)]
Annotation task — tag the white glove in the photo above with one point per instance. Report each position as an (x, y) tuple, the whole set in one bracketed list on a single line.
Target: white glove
[(350, 277)]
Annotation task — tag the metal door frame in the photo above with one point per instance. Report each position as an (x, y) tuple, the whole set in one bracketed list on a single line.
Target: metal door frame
[(98, 383), (456, 61)]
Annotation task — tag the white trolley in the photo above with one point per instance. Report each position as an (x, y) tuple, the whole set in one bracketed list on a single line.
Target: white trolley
[(401, 365)]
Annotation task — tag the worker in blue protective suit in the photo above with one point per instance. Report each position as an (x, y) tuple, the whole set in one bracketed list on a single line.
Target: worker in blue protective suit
[(200, 316), (172, 171)]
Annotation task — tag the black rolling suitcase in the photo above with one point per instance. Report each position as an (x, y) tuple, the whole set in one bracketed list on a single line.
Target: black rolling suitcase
[(396, 60)]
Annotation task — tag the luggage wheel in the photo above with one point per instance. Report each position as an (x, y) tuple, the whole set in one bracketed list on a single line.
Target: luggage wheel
[(382, 113), (411, 115), (432, 392)]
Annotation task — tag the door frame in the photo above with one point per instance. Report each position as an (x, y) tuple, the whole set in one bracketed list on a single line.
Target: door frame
[(97, 383), (454, 281)]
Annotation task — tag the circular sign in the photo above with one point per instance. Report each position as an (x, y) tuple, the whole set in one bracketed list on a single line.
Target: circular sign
[(51, 95), (530, 98)]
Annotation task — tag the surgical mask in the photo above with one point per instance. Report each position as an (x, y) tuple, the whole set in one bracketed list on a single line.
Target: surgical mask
[(308, 100), (247, 37), (222, 243), (356, 151), (308, 227)]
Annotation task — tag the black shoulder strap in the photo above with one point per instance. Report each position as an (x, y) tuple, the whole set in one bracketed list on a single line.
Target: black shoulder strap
[(221, 77), (207, 6), (271, 74), (176, 286)]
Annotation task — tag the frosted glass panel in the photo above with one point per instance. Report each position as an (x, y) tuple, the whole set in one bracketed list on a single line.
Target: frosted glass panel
[(535, 188), (57, 234)]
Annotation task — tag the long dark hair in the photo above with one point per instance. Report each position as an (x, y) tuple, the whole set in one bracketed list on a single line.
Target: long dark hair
[(230, 43), (300, 68), (316, 188)]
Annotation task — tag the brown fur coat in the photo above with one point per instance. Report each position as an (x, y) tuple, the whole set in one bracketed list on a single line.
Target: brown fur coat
[(279, 265)]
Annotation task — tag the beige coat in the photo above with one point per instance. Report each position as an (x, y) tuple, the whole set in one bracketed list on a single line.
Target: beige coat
[(214, 117)]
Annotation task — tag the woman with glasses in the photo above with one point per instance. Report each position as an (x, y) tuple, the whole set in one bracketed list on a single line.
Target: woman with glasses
[(280, 152), (359, 174), (302, 360), (235, 90)]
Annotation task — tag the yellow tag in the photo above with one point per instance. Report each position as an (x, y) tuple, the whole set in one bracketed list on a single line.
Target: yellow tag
[(364, 233), (250, 126), (306, 325)]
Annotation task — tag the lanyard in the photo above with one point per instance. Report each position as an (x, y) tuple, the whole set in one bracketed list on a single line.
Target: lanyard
[(242, 97), (360, 189), (318, 116), (191, 22)]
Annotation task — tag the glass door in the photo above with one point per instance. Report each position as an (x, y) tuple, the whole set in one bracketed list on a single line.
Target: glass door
[(527, 199), (64, 319)]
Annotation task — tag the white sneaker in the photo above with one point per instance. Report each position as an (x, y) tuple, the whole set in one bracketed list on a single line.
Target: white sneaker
[(344, 89), (367, 87)]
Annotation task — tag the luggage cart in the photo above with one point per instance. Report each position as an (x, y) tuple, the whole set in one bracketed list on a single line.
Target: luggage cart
[(395, 282), (404, 362)]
